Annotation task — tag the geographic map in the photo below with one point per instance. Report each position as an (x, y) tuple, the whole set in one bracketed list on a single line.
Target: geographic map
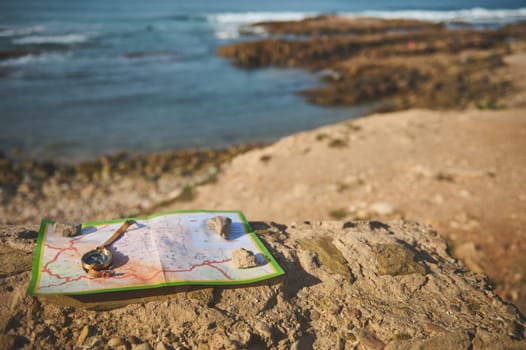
[(169, 249)]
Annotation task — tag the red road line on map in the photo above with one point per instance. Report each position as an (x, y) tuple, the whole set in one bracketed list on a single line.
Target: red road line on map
[(46, 269), (66, 280), (204, 263), (127, 275)]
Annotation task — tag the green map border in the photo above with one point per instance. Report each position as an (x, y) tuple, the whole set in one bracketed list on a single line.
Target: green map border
[(37, 259)]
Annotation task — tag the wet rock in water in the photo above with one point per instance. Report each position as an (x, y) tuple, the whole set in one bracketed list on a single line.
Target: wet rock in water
[(244, 259), (396, 259), (67, 229), (221, 225)]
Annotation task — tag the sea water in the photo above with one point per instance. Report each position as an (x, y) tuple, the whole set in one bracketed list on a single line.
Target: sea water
[(83, 78)]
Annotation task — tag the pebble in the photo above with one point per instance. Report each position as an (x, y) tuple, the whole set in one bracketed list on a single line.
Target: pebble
[(83, 335), (263, 329), (221, 225), (315, 315), (143, 346), (113, 342), (244, 259), (396, 259), (67, 229)]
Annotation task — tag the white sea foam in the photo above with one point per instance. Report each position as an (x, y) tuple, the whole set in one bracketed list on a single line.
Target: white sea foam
[(228, 24), (474, 15), (5, 32), (227, 32), (468, 15), (36, 58), (65, 39), (254, 17)]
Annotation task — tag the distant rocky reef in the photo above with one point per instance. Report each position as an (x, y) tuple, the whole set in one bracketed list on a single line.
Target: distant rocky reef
[(403, 63)]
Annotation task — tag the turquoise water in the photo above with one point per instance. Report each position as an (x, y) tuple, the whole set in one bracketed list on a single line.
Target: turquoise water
[(79, 79)]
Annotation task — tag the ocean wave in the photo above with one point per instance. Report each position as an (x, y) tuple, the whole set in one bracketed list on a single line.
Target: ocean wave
[(37, 57), (5, 32), (254, 17), (468, 15), (66, 39), (473, 15), (229, 25)]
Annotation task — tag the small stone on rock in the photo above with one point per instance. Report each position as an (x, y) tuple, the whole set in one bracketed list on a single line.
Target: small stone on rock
[(244, 259), (114, 342), (67, 229), (83, 335), (221, 225), (396, 259)]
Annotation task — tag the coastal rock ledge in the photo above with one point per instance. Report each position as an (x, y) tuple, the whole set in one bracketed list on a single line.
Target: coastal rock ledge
[(348, 285)]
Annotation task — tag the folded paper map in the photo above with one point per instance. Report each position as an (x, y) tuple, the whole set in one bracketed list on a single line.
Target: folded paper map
[(169, 249)]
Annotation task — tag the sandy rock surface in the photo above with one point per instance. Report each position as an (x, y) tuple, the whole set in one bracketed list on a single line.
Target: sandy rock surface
[(348, 285), (462, 172)]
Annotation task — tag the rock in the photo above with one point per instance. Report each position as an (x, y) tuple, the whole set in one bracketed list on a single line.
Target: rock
[(221, 225), (328, 255), (263, 330), (204, 296), (13, 261), (67, 229), (396, 259), (84, 333), (244, 259), (310, 307), (142, 346), (364, 73), (161, 346), (7, 341), (114, 342)]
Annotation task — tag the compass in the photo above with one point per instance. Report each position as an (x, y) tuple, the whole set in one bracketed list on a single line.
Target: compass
[(101, 258)]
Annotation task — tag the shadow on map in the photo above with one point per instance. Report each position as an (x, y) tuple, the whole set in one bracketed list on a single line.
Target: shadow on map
[(237, 230), (261, 260), (119, 259)]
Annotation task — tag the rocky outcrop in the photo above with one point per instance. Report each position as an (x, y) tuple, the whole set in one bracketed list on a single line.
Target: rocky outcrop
[(118, 185), (331, 24), (355, 284), (402, 64)]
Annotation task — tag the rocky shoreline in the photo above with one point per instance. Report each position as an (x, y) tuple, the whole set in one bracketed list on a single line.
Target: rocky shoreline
[(401, 63), (119, 185)]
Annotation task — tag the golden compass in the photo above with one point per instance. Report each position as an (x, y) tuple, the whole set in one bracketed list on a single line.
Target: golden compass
[(100, 258)]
